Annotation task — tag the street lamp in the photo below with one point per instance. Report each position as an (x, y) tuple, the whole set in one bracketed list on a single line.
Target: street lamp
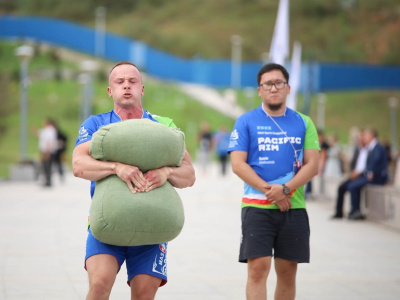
[(100, 13), (249, 93), (393, 104), (88, 67), (24, 53), (83, 80), (236, 41), (321, 111)]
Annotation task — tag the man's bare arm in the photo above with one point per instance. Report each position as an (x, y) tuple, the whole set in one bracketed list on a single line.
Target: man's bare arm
[(307, 171), (86, 167), (304, 175), (180, 177), (245, 172)]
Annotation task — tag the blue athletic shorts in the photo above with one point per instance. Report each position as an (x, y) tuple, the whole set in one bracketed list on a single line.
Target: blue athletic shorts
[(148, 259), (270, 232)]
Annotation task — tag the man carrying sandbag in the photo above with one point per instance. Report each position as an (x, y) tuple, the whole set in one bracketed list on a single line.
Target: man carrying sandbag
[(103, 261)]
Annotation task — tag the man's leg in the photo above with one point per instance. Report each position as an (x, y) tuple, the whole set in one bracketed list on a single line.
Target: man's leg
[(58, 161), (46, 163), (258, 270), (147, 270), (223, 160), (309, 187), (355, 192), (102, 270), (340, 199), (286, 279), (144, 287)]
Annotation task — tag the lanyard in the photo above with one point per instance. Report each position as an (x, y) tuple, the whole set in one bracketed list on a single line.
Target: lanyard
[(294, 149)]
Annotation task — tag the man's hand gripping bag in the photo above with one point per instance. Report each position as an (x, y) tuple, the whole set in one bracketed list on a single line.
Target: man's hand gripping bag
[(119, 217)]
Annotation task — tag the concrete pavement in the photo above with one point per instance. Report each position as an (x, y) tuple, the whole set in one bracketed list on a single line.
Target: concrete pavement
[(43, 231)]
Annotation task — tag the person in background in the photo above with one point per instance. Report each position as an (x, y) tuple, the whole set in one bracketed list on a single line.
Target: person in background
[(221, 143), (321, 166), (59, 152), (357, 165), (322, 160), (333, 165), (146, 271), (391, 160), (275, 151), (368, 166), (205, 147), (374, 172), (47, 146)]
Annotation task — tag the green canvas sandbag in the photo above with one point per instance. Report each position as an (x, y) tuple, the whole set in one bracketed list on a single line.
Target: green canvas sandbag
[(139, 142), (120, 217)]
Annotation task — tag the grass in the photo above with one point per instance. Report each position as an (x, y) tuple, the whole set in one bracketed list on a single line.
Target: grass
[(60, 100), (330, 31), (345, 110)]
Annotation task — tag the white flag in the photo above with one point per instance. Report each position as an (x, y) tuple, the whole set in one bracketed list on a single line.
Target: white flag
[(295, 72), (280, 40)]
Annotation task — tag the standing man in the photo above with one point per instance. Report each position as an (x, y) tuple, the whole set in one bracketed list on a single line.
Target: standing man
[(275, 151), (321, 167), (205, 146), (103, 261), (220, 143), (47, 146), (60, 150)]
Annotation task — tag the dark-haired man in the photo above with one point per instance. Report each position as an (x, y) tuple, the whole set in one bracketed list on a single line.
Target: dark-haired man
[(375, 171), (275, 151)]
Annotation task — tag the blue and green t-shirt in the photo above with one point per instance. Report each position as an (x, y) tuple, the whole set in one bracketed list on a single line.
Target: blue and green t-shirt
[(94, 122), (272, 148)]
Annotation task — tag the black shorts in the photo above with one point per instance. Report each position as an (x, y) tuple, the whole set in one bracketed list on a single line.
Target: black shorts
[(270, 232)]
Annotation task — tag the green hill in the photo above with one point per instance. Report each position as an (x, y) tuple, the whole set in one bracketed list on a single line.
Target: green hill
[(60, 100), (49, 97), (364, 31)]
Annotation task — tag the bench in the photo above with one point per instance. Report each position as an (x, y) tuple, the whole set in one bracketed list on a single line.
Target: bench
[(382, 204)]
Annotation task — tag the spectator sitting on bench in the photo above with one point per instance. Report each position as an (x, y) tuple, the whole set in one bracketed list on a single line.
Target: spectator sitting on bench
[(369, 166)]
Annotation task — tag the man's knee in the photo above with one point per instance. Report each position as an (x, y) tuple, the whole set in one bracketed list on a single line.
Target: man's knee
[(99, 288), (143, 295), (144, 287), (102, 270), (258, 268)]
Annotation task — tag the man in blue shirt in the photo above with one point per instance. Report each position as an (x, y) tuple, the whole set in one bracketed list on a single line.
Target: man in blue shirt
[(103, 261), (275, 151), (221, 142)]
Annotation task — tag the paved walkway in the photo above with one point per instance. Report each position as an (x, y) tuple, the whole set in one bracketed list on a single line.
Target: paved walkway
[(42, 241)]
